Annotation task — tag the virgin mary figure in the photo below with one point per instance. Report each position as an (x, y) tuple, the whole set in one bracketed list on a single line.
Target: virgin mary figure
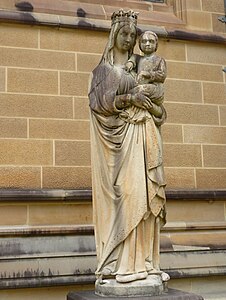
[(127, 168)]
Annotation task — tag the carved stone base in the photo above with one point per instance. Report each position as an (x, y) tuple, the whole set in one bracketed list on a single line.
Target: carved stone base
[(151, 286), (171, 294)]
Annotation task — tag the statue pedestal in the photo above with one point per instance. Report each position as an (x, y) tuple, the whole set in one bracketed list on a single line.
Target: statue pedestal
[(171, 294), (151, 286)]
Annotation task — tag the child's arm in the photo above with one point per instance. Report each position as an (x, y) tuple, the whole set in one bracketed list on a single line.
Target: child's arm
[(131, 63), (159, 73), (144, 77)]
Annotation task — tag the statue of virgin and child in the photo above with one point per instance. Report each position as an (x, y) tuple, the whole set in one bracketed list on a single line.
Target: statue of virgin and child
[(126, 104)]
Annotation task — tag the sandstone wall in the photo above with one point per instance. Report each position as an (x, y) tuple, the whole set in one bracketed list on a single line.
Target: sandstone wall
[(46, 57)]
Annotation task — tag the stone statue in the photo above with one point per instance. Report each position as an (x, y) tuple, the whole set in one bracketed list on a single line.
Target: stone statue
[(126, 103)]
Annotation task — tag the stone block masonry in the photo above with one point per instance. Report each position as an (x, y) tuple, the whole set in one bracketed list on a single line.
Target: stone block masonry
[(44, 111)]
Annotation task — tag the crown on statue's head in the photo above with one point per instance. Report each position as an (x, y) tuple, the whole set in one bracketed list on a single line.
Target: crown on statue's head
[(124, 16)]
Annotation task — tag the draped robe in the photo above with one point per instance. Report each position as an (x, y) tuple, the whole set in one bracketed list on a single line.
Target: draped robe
[(127, 176)]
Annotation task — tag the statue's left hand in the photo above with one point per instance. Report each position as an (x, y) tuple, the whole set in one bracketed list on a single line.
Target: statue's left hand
[(148, 105), (139, 99)]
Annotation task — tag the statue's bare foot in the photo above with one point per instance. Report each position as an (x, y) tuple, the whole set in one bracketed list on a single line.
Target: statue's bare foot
[(165, 276), (131, 277)]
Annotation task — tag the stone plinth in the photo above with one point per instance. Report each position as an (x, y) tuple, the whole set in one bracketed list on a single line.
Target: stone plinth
[(171, 294), (151, 286)]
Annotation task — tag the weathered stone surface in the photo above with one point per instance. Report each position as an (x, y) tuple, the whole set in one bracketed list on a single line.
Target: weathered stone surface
[(170, 295)]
